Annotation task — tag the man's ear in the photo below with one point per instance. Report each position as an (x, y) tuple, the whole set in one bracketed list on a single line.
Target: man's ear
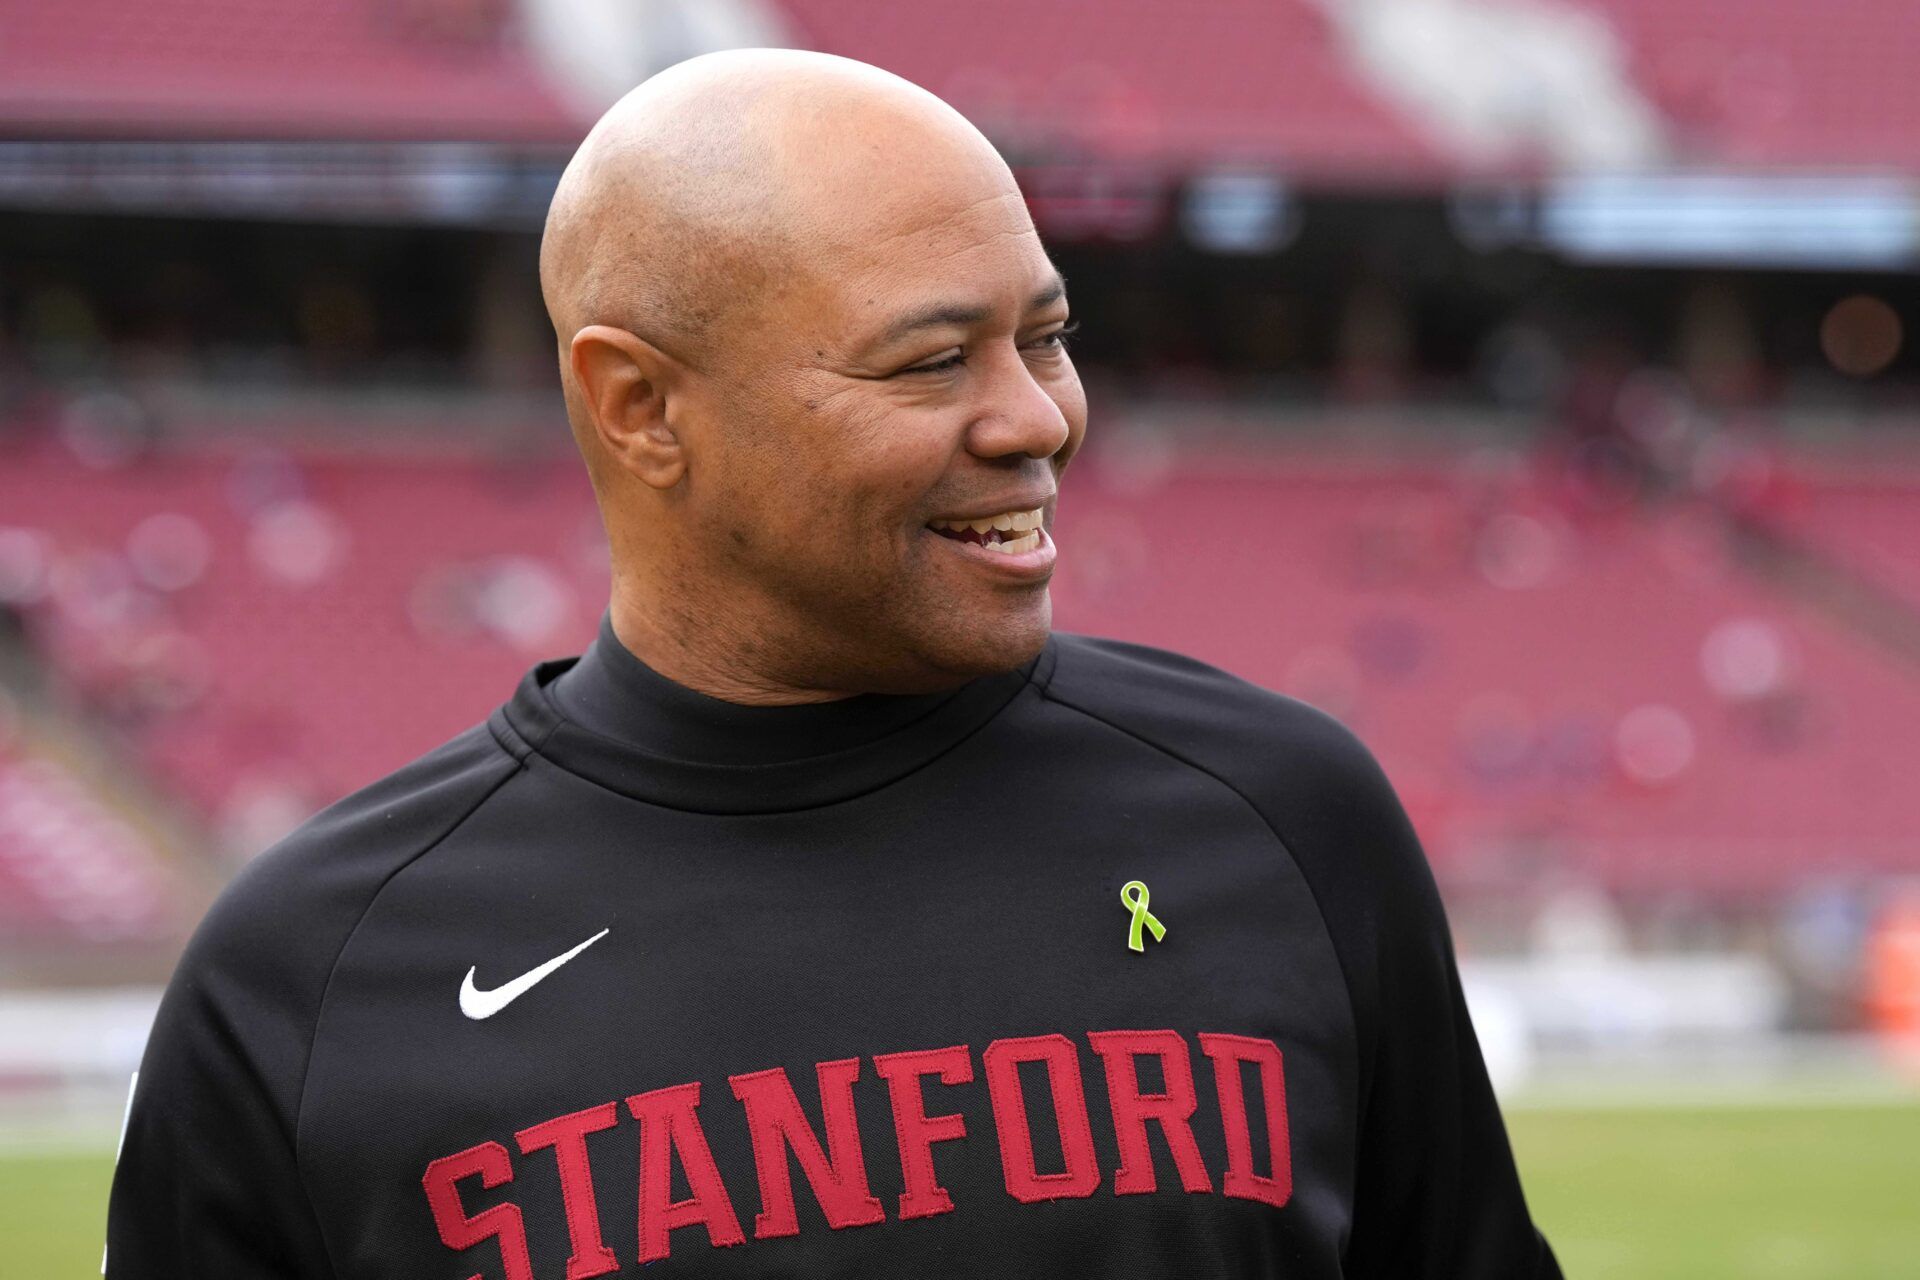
[(624, 383)]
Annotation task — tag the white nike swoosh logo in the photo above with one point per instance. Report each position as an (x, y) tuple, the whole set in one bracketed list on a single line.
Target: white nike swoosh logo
[(478, 1004)]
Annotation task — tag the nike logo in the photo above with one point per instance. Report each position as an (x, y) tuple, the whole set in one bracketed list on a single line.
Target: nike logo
[(478, 1004)]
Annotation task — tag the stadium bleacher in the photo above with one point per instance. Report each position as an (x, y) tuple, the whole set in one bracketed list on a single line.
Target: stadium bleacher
[(69, 868), (1550, 686), (363, 577), (1234, 79), (1786, 84), (1614, 695), (1864, 516), (274, 68)]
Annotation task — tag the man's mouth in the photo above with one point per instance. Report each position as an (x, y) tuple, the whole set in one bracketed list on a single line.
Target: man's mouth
[(1009, 532)]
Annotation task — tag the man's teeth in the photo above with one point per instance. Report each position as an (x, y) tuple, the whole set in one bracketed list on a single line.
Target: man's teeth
[(1010, 532), (1005, 522), (1014, 546)]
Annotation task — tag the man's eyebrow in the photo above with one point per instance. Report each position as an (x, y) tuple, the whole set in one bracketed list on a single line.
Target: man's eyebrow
[(964, 316), (938, 315), (1049, 295)]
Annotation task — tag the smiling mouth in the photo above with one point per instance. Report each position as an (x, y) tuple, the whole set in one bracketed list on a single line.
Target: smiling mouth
[(1010, 532)]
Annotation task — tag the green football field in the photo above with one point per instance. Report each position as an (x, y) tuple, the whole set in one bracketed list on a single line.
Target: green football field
[(1660, 1193), (1724, 1192)]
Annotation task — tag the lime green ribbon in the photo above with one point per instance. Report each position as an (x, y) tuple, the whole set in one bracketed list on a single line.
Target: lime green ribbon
[(1135, 895)]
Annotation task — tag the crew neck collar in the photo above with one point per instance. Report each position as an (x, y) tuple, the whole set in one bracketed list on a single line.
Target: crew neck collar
[(608, 716)]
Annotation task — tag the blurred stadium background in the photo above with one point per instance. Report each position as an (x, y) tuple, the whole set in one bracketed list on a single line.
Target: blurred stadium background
[(1526, 382)]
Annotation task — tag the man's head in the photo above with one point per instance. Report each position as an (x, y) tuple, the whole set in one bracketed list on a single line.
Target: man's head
[(803, 319)]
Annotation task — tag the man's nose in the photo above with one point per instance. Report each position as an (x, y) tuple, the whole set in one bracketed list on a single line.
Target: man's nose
[(1018, 415)]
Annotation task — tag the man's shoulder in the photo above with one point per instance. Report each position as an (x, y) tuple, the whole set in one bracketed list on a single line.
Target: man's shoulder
[(1317, 786), (299, 898), (1188, 708), (254, 977)]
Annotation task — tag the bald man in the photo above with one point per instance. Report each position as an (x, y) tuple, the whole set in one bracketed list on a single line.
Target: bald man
[(828, 916)]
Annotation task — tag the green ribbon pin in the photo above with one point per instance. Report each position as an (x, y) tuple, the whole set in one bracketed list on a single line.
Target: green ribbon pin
[(1134, 894)]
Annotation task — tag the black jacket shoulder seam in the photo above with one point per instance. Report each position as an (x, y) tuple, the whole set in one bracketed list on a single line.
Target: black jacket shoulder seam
[(326, 989)]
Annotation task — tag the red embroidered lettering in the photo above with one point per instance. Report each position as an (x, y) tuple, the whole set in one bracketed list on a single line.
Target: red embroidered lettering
[(1062, 1058), (502, 1222), (669, 1125), (1132, 1109), (839, 1178), (567, 1135), (1227, 1053), (915, 1130)]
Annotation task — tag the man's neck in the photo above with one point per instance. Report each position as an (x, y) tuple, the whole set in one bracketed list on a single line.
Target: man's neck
[(718, 670)]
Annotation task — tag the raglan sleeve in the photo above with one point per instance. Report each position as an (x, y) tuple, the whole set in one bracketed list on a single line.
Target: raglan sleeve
[(206, 1185), (1437, 1193)]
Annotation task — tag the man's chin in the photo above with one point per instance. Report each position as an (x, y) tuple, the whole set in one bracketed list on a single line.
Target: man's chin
[(996, 642)]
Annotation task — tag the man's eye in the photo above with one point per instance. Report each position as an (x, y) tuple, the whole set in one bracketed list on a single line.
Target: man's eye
[(953, 361), (1058, 338), (1055, 341)]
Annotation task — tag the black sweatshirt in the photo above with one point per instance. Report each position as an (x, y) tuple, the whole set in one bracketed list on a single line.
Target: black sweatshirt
[(628, 975)]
